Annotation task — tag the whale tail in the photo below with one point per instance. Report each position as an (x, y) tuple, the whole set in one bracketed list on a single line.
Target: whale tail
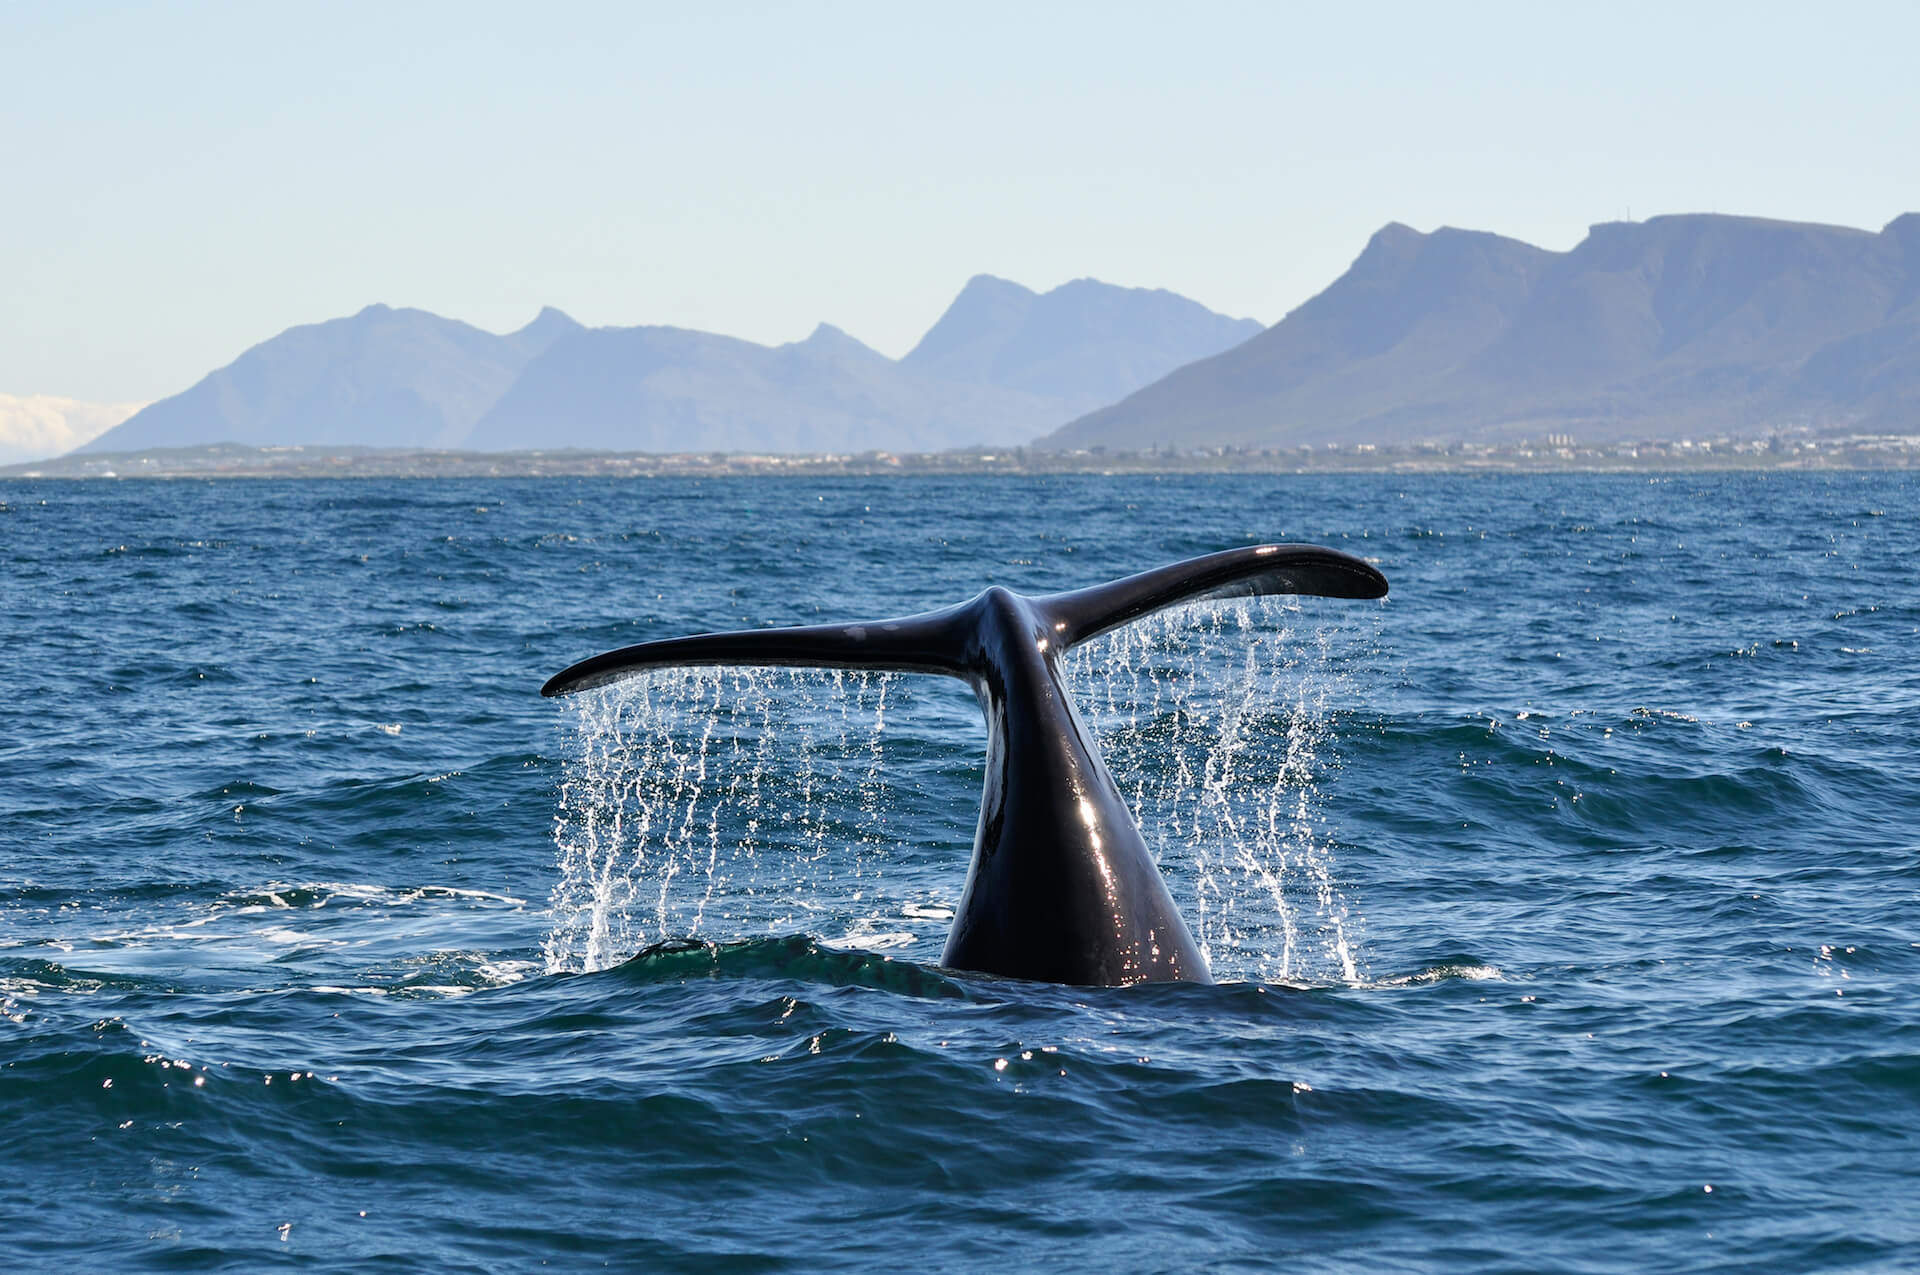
[(1061, 886), (945, 641)]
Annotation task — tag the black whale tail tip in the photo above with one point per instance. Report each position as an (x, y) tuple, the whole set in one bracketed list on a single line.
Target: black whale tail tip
[(939, 641)]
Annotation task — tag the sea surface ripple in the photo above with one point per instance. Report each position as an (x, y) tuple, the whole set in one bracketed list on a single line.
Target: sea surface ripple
[(1582, 932)]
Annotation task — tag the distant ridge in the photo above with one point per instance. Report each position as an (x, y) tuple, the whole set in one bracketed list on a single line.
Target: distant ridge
[(1692, 323), (1083, 344), (1002, 366), (382, 377), (657, 389)]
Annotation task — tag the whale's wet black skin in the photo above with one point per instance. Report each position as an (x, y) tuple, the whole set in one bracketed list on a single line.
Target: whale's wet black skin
[(1062, 887)]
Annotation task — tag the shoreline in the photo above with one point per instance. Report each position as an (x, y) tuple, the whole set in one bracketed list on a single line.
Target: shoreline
[(231, 460)]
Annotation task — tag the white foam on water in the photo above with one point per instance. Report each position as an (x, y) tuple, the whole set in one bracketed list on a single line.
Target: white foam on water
[(312, 924), (1442, 973), (867, 942)]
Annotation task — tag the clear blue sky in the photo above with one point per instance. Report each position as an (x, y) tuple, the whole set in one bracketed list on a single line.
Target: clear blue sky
[(185, 180)]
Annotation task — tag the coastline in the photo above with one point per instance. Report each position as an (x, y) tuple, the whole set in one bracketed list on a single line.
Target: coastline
[(233, 460)]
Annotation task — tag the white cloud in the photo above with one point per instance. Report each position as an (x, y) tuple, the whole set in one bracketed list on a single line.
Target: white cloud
[(38, 426)]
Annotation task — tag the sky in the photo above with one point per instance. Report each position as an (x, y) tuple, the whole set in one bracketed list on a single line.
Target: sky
[(182, 181)]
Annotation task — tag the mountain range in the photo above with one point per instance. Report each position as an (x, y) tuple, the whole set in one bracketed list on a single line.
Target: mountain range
[(1689, 324), (1001, 366), (1675, 325)]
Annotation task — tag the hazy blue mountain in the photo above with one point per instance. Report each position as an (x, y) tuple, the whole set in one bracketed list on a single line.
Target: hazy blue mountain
[(1003, 366), (383, 377), (1083, 344), (1669, 326), (668, 389)]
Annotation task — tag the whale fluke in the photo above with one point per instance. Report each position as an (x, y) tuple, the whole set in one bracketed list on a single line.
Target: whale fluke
[(1236, 573), (934, 642), (915, 644), (1061, 887)]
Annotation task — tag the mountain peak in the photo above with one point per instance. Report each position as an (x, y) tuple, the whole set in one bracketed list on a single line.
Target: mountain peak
[(380, 377), (993, 284), (1082, 342), (986, 305), (1388, 248), (549, 320), (1394, 232), (827, 339), (542, 331), (1686, 322)]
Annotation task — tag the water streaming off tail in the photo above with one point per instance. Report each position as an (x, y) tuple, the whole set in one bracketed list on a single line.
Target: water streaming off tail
[(725, 803), (1216, 722), (719, 803)]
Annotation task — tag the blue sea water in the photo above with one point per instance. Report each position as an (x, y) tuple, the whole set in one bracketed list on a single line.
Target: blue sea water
[(1567, 902)]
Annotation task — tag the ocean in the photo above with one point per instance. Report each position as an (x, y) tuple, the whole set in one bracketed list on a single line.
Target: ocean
[(1566, 903)]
